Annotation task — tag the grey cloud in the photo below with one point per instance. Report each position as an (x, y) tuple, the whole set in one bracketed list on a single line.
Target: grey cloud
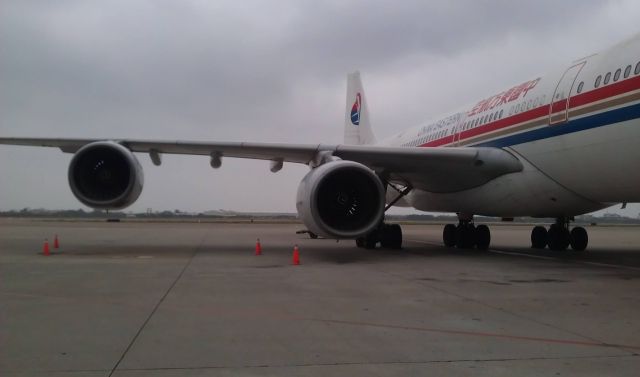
[(258, 70)]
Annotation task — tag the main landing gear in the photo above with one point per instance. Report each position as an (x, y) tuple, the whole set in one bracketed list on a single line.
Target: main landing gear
[(558, 237), (466, 235), (389, 236)]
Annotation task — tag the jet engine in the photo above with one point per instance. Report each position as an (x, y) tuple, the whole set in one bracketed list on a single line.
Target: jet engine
[(341, 199), (105, 175)]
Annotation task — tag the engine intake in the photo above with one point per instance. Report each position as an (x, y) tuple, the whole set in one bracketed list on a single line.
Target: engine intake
[(105, 175), (341, 199)]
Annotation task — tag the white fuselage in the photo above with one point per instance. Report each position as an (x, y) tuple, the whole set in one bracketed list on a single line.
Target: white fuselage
[(576, 131)]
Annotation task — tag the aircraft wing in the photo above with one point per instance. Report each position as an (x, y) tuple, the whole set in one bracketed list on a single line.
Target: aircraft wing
[(429, 169)]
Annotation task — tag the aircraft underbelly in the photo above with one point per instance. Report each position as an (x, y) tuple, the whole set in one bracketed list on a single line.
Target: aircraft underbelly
[(526, 193), (600, 164)]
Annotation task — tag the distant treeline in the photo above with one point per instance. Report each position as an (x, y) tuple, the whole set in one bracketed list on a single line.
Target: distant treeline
[(584, 219), (177, 214), (80, 213)]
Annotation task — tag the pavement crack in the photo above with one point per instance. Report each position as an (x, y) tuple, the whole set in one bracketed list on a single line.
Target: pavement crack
[(622, 347), (380, 363), (160, 301), (589, 340)]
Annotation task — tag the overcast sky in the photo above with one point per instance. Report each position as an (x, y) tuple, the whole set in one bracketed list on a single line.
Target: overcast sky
[(272, 71)]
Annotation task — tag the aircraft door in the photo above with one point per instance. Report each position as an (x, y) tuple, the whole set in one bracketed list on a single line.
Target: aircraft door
[(560, 101), (457, 130)]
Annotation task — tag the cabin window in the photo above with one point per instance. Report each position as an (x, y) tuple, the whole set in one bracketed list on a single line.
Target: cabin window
[(580, 86), (607, 77), (616, 75), (490, 117), (500, 115), (627, 71), (637, 70), (597, 83)]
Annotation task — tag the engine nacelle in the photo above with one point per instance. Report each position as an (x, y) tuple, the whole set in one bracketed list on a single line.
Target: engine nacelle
[(105, 175), (341, 199)]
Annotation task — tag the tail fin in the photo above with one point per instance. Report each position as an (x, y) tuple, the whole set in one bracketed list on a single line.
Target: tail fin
[(357, 125)]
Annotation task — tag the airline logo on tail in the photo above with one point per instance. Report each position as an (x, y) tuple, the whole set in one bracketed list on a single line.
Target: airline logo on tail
[(355, 110)]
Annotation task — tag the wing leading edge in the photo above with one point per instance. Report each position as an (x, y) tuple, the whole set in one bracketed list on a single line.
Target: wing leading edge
[(429, 169)]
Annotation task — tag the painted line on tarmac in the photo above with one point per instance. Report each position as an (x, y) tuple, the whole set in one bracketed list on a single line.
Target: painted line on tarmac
[(479, 334), (543, 257), (597, 264)]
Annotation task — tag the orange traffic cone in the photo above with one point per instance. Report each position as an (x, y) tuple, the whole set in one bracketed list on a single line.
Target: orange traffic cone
[(258, 247), (296, 256), (45, 248), (56, 244)]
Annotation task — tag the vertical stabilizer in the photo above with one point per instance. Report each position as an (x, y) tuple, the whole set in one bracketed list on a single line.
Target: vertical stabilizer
[(357, 124)]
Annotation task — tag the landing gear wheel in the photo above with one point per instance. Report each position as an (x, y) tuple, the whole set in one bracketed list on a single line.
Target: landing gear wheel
[(391, 236), (395, 232), (483, 237), (579, 239), (465, 236), (558, 238), (370, 240), (313, 235), (360, 241), (449, 235), (539, 237)]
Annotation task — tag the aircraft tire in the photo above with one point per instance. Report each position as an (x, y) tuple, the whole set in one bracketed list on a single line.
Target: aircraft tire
[(559, 238), (483, 237), (449, 235), (539, 237), (370, 240), (465, 236), (391, 236), (396, 236), (579, 238)]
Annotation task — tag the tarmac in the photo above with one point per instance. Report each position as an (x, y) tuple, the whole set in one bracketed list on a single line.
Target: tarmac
[(189, 299)]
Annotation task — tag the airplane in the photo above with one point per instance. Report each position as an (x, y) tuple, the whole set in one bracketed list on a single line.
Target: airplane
[(552, 146)]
